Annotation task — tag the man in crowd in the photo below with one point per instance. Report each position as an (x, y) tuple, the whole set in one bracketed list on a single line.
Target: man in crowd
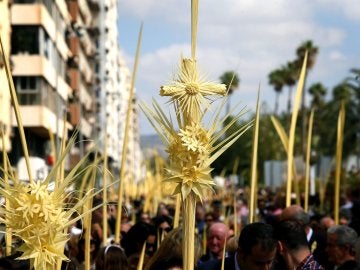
[(216, 236), (341, 241), (257, 248), (293, 246), (316, 240)]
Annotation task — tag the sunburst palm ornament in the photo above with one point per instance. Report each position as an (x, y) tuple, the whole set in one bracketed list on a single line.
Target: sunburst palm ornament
[(191, 145), (190, 90), (38, 212)]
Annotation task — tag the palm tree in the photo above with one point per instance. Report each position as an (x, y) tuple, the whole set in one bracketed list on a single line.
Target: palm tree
[(276, 79), (290, 73), (312, 53), (318, 92), (353, 82), (342, 91), (232, 80), (312, 50)]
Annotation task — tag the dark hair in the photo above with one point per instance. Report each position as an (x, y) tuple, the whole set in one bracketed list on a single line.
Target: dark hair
[(292, 234), (302, 217), (254, 234), (349, 265), (5, 264), (134, 239), (111, 257), (158, 220), (170, 253)]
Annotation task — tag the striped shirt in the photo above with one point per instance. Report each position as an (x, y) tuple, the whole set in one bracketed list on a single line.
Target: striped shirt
[(309, 263)]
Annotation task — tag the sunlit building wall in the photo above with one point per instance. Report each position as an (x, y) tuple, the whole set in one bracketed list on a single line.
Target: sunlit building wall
[(5, 120), (39, 55), (83, 37), (113, 94)]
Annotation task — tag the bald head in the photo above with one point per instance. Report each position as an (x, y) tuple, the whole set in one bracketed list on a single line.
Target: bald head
[(217, 234), (297, 213), (327, 222)]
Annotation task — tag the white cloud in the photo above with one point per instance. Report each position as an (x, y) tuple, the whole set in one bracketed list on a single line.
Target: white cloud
[(251, 37), (349, 8), (336, 56)]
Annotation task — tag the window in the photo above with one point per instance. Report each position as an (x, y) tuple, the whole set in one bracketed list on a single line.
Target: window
[(25, 39), (28, 90), (25, 84)]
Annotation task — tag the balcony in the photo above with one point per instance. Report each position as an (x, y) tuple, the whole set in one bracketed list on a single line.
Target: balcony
[(85, 11), (74, 110), (62, 46), (85, 68), (34, 65), (73, 7), (63, 88), (87, 44), (85, 97), (63, 10), (33, 14), (74, 78), (85, 128), (41, 120), (74, 45), (77, 119)]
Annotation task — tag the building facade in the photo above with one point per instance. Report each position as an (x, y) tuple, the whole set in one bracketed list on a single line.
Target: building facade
[(39, 55), (113, 98), (71, 78), (5, 117)]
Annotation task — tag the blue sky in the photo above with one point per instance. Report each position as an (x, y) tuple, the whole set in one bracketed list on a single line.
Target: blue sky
[(252, 37)]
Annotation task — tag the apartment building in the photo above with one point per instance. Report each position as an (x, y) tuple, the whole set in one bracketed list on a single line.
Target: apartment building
[(5, 118), (83, 39), (113, 97), (70, 75), (39, 55)]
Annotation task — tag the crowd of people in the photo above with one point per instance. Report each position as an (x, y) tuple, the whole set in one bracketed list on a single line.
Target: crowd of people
[(281, 238)]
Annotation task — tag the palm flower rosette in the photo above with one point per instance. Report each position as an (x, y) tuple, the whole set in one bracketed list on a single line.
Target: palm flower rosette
[(190, 144), (40, 213), (191, 90), (37, 217)]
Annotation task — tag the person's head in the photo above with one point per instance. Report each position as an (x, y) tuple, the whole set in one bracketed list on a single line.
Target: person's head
[(200, 212), (209, 219), (257, 247), (326, 223), (162, 210), (97, 214), (297, 213), (216, 207), (163, 223), (169, 254), (216, 236), (292, 242), (97, 231), (145, 217), (341, 241), (111, 257), (291, 234), (134, 239), (94, 248)]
